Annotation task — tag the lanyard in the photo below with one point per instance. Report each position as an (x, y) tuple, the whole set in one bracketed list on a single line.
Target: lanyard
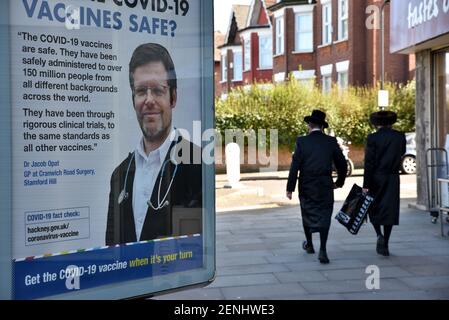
[(124, 195)]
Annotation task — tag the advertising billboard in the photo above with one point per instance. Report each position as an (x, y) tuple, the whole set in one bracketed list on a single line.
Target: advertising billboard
[(106, 188)]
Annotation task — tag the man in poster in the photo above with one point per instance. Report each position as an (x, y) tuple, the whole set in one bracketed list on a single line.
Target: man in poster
[(152, 191)]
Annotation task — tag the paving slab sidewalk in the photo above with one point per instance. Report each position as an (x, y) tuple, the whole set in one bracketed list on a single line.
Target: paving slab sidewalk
[(259, 256)]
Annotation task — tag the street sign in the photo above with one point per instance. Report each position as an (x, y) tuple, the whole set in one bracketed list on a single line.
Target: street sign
[(383, 98)]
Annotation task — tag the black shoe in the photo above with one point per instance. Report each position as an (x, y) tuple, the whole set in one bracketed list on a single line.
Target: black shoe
[(386, 252), (380, 247), (308, 248), (323, 257)]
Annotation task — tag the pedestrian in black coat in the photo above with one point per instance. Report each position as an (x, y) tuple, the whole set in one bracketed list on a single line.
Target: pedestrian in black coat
[(313, 158), (383, 154)]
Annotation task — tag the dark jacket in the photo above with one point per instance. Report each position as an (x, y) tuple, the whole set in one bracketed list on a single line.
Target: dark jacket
[(383, 154), (186, 192), (313, 158)]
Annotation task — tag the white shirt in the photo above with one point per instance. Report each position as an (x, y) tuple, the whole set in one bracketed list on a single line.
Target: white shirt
[(147, 171)]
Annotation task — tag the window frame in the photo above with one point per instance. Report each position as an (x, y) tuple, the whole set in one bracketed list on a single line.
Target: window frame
[(325, 88), (339, 80), (343, 18), (327, 25), (247, 54), (224, 67), (268, 53), (240, 78), (298, 32), (280, 36)]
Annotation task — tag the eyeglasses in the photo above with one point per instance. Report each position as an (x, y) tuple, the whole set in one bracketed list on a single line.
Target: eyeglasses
[(157, 91)]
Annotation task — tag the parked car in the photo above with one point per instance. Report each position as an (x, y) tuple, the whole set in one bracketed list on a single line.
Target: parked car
[(408, 163), (344, 146)]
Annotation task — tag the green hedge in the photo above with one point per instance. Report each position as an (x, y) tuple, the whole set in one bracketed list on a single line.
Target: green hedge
[(284, 107)]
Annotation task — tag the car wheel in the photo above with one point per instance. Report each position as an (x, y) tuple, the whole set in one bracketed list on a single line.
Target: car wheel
[(408, 165), (350, 167)]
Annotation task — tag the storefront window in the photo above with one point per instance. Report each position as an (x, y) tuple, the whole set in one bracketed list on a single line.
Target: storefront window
[(442, 99), (441, 114)]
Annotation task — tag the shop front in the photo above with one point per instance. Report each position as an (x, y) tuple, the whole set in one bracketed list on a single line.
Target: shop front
[(422, 27)]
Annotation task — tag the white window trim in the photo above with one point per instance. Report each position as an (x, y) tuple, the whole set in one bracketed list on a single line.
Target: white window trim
[(340, 41), (339, 79), (340, 20), (280, 51), (304, 74), (325, 45), (342, 66), (234, 51), (346, 85), (323, 24), (268, 34), (224, 68), (323, 78), (303, 51), (245, 41), (327, 70), (279, 77), (279, 14), (296, 30), (265, 32), (247, 33), (302, 8)]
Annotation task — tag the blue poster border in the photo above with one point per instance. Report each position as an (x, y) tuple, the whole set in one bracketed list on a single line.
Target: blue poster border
[(40, 277), (5, 156)]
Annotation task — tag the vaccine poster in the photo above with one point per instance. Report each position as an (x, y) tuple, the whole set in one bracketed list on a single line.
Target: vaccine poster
[(103, 93)]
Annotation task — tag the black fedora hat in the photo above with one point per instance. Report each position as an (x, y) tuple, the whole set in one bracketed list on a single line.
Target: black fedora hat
[(318, 117), (383, 118)]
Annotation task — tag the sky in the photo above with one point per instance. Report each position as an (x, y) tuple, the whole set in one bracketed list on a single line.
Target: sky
[(223, 11)]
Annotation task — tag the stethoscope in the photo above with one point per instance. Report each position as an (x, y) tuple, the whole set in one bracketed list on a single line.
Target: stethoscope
[(124, 195)]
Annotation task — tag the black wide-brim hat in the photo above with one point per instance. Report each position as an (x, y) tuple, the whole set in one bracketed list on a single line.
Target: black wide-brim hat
[(318, 117), (383, 118)]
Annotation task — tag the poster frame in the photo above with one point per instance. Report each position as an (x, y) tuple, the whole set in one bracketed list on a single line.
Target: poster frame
[(5, 157), (120, 290)]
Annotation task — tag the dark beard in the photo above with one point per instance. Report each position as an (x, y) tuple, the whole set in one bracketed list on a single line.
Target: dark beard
[(161, 135)]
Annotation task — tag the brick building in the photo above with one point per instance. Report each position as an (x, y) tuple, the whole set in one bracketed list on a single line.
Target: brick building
[(247, 52), (257, 44), (333, 41), (231, 71)]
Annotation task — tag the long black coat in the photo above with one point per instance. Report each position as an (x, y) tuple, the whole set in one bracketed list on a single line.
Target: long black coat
[(186, 192), (313, 159), (383, 154)]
